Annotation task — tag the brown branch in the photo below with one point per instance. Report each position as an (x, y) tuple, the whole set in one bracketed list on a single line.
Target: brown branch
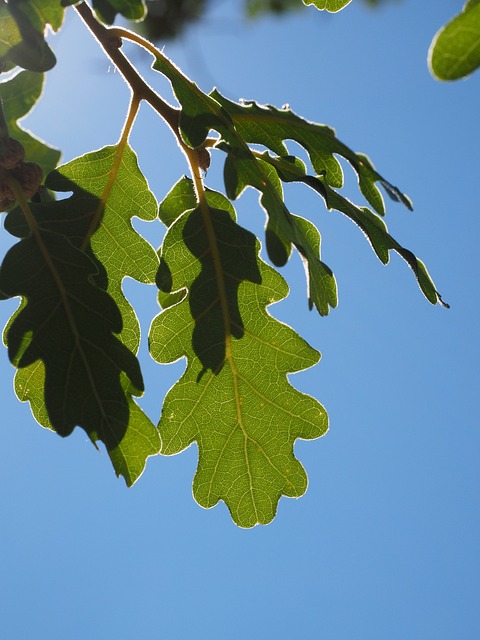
[(111, 40), (111, 45)]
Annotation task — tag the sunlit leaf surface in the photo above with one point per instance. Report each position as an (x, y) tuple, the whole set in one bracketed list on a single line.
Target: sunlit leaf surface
[(455, 49), (234, 399)]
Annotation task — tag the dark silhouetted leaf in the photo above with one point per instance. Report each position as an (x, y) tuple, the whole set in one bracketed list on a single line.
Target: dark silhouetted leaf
[(108, 190), (69, 324)]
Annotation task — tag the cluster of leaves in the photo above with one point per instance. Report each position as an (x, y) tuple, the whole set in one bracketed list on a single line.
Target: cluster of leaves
[(74, 337)]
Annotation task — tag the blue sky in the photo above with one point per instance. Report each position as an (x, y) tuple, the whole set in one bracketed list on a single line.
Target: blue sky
[(385, 542)]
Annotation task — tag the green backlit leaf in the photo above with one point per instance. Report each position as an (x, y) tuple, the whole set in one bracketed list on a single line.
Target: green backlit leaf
[(382, 242), (234, 399), (455, 49), (113, 177), (370, 224), (181, 197), (271, 127)]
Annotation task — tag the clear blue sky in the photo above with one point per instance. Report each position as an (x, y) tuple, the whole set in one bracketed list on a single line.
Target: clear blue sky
[(384, 545)]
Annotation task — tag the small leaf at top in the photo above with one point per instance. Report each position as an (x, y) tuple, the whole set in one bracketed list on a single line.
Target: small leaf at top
[(321, 284), (455, 50)]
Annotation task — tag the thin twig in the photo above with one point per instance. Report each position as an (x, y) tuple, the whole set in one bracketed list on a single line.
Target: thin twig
[(111, 40), (111, 45)]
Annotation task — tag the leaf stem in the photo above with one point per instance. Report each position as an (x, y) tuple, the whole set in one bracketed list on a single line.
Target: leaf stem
[(121, 32), (112, 174)]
